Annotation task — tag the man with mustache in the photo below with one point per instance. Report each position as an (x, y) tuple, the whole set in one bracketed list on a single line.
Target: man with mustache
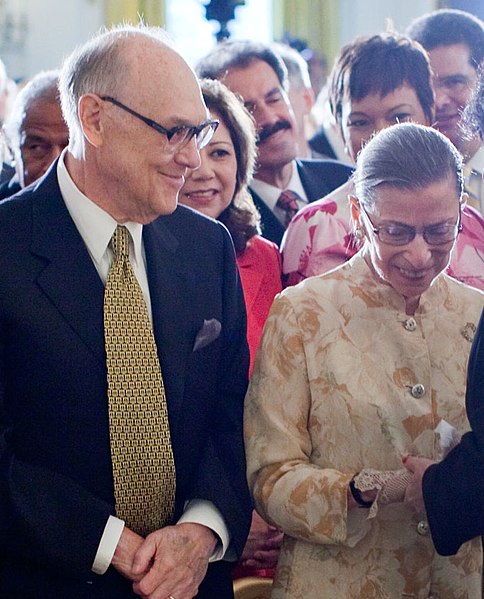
[(255, 72), (454, 40)]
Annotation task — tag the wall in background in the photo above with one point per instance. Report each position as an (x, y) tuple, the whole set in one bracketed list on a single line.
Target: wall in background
[(329, 24), (51, 29), (39, 33)]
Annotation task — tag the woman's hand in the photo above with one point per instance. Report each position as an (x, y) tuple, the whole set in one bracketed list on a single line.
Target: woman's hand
[(414, 494), (262, 548), (368, 496)]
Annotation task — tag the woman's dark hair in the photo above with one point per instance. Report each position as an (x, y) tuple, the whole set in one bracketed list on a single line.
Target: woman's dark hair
[(380, 64), (241, 216)]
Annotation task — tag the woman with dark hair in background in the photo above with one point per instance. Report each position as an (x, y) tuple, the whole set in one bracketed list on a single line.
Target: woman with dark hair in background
[(358, 368)]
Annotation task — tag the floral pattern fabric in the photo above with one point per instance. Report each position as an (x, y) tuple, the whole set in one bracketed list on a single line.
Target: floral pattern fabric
[(320, 238), (345, 380)]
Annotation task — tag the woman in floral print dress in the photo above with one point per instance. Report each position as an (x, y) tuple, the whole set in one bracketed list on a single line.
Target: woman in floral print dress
[(359, 368)]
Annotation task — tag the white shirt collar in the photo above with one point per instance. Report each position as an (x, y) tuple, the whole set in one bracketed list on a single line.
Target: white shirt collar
[(270, 194), (94, 224), (476, 162)]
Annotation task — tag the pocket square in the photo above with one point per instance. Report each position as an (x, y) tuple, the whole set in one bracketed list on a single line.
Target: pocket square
[(208, 333)]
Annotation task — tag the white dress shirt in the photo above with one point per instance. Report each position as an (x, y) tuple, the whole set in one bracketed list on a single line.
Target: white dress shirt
[(96, 228), (474, 179)]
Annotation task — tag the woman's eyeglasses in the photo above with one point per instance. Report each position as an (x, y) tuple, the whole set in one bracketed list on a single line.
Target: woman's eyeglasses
[(400, 234)]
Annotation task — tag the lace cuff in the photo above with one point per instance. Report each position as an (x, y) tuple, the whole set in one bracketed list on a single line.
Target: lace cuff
[(389, 484)]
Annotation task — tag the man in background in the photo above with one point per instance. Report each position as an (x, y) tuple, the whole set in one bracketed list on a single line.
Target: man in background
[(301, 96), (281, 185), (454, 41), (35, 131)]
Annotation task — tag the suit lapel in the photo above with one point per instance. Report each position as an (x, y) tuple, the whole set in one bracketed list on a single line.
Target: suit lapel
[(172, 312), (312, 186), (272, 228), (69, 277)]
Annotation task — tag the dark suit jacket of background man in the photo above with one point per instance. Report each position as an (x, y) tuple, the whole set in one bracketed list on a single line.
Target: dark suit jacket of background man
[(454, 489), (56, 487), (318, 177)]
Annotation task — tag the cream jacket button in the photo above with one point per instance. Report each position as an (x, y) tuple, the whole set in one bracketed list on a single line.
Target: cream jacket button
[(423, 528), (417, 391), (410, 324)]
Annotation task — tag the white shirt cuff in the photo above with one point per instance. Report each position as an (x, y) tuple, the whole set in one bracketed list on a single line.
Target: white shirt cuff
[(198, 511), (201, 511), (107, 545)]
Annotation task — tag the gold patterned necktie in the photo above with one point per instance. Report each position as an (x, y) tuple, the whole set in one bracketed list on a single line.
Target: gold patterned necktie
[(141, 452)]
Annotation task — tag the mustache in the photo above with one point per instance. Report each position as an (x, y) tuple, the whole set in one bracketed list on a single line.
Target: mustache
[(269, 130)]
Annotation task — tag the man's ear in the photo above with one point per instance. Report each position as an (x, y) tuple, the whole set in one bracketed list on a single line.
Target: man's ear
[(463, 200), (90, 108), (308, 96)]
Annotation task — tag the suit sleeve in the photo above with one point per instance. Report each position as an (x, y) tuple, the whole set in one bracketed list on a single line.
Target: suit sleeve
[(221, 476), (454, 489), (48, 517), (45, 517)]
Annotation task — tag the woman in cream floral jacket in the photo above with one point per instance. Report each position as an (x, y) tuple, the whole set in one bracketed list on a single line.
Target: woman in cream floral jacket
[(359, 368)]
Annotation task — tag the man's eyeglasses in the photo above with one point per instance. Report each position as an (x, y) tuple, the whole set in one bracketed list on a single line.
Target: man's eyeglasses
[(177, 137), (399, 234)]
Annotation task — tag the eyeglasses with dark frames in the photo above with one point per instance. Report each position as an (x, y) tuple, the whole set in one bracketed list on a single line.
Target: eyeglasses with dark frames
[(177, 137), (400, 234)]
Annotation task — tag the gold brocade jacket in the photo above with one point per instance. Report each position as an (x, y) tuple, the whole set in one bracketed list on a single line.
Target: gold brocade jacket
[(345, 380)]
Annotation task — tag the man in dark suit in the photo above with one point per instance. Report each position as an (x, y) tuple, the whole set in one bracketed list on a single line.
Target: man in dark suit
[(60, 532), (255, 72)]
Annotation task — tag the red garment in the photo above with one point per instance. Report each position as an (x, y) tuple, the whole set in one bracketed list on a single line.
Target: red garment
[(260, 272)]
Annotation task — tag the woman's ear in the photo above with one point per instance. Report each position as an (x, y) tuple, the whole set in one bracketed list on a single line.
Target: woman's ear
[(354, 210), (463, 200), (355, 217)]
